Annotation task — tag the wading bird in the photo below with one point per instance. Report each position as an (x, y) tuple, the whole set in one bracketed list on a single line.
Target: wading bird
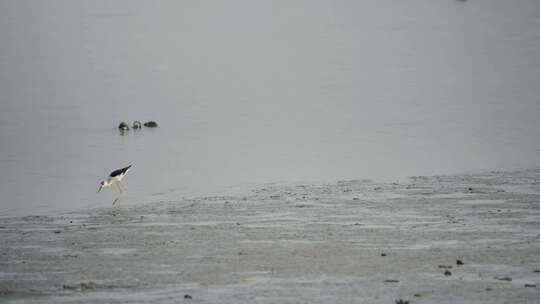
[(114, 178)]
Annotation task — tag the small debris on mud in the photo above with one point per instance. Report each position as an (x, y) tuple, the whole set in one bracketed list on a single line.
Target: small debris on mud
[(82, 286), (417, 295), (489, 289), (508, 279), (391, 281), (401, 301), (355, 198), (187, 297), (6, 291), (10, 291), (69, 287), (447, 273), (445, 266), (536, 270), (383, 254), (459, 262), (88, 285), (530, 285)]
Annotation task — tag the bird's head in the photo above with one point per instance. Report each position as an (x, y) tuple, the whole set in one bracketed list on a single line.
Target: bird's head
[(103, 184)]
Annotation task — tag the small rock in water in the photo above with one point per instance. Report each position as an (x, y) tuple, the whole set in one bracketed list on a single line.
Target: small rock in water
[(355, 198), (459, 262), (530, 285), (391, 281), (123, 126), (400, 301), (188, 297), (383, 254), (447, 273), (150, 124), (136, 125), (536, 270)]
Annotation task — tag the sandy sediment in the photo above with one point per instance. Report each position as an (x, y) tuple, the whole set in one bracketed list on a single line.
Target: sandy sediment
[(347, 242)]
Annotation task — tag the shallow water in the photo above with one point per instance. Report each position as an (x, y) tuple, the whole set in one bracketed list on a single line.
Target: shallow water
[(248, 93)]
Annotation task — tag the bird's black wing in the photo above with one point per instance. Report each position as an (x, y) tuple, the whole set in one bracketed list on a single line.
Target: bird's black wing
[(120, 171)]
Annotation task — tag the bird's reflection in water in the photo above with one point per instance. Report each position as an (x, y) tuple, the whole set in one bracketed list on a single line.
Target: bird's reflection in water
[(117, 201)]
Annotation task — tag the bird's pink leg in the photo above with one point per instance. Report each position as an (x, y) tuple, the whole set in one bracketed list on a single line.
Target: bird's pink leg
[(123, 187), (119, 188), (116, 200)]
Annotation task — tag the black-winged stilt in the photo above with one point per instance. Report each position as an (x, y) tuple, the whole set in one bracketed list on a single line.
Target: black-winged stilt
[(115, 177)]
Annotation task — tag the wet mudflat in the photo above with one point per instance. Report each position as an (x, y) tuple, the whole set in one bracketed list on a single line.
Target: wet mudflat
[(442, 239)]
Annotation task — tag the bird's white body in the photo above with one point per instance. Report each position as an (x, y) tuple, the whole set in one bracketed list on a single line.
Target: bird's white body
[(111, 180)]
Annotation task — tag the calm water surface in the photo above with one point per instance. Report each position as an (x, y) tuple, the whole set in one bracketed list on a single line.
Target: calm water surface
[(251, 92)]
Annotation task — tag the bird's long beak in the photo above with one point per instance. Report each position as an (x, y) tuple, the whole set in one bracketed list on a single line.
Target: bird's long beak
[(99, 189)]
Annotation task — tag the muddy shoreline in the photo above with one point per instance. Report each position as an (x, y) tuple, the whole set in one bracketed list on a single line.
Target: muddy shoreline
[(351, 241)]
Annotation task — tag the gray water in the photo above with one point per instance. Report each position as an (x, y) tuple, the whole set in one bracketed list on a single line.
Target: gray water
[(252, 92)]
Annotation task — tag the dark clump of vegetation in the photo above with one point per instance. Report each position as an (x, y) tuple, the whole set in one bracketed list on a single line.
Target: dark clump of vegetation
[(123, 126), (150, 124), (137, 125)]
